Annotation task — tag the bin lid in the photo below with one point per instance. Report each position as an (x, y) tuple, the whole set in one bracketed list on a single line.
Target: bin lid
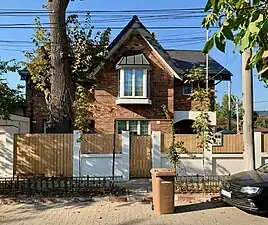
[(160, 172)]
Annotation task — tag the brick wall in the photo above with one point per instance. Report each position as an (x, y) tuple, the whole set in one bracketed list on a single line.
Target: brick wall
[(161, 90), (182, 102), (36, 108)]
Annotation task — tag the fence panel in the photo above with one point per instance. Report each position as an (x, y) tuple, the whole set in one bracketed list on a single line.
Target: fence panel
[(140, 157), (101, 143), (265, 143), (232, 143), (190, 141), (43, 154)]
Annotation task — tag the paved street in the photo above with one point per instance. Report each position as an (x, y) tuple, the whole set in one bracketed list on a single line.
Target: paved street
[(104, 212)]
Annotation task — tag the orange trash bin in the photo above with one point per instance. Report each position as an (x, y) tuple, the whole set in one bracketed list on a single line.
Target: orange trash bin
[(163, 190)]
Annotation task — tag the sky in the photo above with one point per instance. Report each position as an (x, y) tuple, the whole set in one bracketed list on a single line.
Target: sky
[(230, 60)]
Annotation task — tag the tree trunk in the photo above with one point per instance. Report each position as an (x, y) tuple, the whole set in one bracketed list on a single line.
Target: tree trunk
[(62, 88)]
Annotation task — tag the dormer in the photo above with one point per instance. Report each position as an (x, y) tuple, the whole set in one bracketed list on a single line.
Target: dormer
[(133, 79)]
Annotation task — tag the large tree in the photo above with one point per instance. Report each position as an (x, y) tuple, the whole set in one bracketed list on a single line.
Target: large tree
[(245, 24), (84, 55), (62, 91)]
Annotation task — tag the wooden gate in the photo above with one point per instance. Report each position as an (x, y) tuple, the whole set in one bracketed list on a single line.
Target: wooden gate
[(140, 156)]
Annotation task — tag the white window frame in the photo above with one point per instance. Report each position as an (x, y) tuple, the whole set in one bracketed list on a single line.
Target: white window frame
[(122, 83), (45, 127), (138, 127), (192, 88)]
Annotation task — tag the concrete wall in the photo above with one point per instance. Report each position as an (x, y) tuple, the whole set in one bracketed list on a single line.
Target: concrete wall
[(102, 164), (212, 164), (17, 124)]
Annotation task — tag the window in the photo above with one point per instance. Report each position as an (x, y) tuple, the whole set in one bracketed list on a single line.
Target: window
[(187, 89), (121, 125), (135, 127), (133, 83)]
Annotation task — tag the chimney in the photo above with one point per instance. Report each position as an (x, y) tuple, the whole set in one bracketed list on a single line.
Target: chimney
[(154, 36)]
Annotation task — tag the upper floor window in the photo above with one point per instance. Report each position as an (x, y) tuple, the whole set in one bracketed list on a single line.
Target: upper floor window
[(133, 79), (187, 89), (133, 83)]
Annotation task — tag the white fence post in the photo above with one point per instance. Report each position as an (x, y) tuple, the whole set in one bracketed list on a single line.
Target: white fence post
[(208, 157), (9, 154), (76, 153), (258, 149), (125, 168), (156, 149)]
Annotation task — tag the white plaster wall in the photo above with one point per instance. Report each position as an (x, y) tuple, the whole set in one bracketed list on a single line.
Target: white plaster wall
[(227, 164), (182, 115), (219, 164), (188, 166), (100, 165), (16, 125)]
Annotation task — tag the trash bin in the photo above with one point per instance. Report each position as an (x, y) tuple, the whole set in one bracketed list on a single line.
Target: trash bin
[(163, 190)]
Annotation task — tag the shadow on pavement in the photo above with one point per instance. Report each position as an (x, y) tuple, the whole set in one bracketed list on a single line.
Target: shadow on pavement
[(134, 222), (199, 206)]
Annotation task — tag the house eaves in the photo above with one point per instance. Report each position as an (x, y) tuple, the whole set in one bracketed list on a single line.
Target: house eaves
[(136, 25)]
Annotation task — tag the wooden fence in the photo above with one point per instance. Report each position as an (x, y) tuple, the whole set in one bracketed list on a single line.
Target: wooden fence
[(265, 143), (101, 143), (190, 142), (140, 157), (231, 143), (43, 154)]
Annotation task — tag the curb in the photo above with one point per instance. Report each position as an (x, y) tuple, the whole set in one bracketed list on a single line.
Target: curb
[(188, 198)]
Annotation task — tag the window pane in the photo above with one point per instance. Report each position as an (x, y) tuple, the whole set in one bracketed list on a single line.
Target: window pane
[(133, 127), (144, 127), (138, 82), (121, 125), (187, 89), (127, 82)]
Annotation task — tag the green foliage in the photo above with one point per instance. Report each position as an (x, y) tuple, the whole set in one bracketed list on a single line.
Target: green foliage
[(202, 123), (10, 99), (175, 149), (222, 113), (222, 107), (85, 54), (261, 122), (245, 25)]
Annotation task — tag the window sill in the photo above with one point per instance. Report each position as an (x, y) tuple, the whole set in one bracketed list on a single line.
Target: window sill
[(141, 101)]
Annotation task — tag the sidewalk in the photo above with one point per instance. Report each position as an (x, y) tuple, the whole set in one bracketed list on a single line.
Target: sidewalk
[(126, 213)]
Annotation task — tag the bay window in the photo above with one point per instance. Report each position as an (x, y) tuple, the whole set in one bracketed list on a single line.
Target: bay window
[(133, 83)]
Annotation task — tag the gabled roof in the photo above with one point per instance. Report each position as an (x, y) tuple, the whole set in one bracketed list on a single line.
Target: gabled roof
[(135, 24), (186, 59)]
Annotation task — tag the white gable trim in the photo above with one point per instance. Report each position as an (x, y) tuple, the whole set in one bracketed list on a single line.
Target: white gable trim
[(123, 39), (168, 67)]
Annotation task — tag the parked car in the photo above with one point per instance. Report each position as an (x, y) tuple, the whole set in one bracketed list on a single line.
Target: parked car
[(247, 190)]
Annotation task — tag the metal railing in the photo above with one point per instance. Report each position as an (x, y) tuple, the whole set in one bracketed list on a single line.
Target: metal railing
[(59, 186), (199, 183)]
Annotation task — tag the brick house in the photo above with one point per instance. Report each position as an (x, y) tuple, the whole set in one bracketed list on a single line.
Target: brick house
[(138, 77)]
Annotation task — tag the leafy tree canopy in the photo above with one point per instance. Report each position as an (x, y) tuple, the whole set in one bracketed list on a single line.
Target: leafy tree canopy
[(10, 99), (86, 52), (245, 25)]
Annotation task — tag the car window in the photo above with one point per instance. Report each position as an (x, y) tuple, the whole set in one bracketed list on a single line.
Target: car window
[(263, 169)]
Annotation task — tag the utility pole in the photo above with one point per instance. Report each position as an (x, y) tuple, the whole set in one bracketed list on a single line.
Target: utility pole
[(248, 131), (229, 106)]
